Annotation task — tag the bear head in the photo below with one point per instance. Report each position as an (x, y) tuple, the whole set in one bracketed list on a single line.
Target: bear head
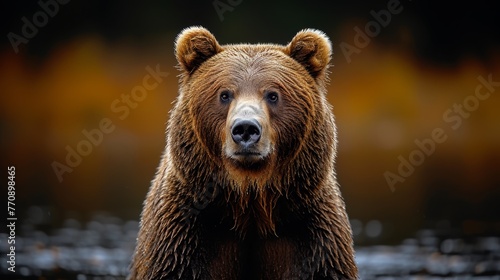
[(252, 107)]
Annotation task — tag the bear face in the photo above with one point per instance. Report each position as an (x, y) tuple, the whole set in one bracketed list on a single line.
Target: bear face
[(252, 105)]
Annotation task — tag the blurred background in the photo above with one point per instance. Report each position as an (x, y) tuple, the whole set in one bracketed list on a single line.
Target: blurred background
[(402, 69)]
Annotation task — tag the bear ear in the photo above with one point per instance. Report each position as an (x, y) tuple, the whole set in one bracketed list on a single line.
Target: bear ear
[(193, 46), (313, 50)]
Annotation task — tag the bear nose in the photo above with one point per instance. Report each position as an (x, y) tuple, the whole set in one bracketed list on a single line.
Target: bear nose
[(246, 131)]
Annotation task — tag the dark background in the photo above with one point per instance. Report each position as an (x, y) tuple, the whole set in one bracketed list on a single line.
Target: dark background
[(394, 91)]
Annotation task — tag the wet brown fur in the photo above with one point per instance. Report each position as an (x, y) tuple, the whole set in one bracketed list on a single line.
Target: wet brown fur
[(284, 220)]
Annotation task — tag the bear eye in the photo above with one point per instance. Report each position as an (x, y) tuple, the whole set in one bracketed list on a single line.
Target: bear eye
[(272, 97), (225, 96)]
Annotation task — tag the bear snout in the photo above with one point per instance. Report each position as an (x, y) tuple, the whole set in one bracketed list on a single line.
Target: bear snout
[(246, 132)]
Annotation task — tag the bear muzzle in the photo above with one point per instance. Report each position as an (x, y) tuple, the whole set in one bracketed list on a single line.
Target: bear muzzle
[(247, 138), (246, 143)]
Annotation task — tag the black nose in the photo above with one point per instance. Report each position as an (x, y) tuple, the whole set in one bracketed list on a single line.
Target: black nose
[(246, 132)]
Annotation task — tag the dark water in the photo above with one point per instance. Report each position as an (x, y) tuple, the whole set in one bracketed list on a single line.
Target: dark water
[(102, 248)]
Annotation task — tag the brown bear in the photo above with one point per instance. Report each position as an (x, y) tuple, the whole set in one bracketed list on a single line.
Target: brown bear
[(246, 188)]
